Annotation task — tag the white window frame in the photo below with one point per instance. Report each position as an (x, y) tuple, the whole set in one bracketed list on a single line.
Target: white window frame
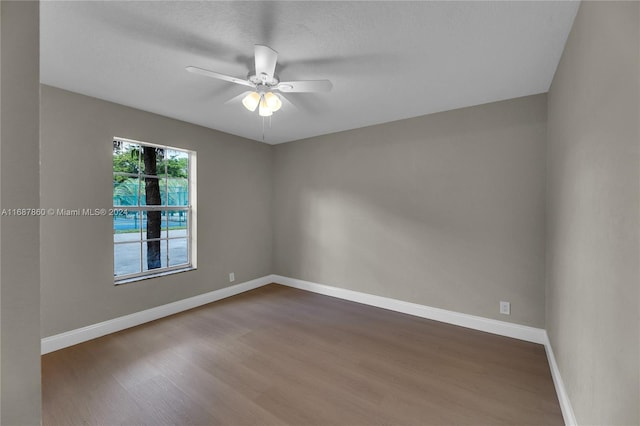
[(189, 209)]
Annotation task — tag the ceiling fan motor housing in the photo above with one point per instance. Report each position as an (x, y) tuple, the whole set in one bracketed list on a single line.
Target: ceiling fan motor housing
[(263, 79)]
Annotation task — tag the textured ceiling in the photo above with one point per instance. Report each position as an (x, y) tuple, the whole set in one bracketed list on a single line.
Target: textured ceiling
[(387, 60)]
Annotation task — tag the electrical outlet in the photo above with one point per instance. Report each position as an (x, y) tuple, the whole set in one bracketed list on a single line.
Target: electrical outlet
[(505, 308), (232, 277)]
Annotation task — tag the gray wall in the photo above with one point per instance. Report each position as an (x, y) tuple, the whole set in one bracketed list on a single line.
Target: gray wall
[(19, 248), (445, 210), (593, 214), (233, 210)]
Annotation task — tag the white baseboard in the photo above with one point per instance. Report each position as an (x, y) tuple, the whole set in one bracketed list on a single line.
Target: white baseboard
[(563, 397), (517, 331), (73, 337)]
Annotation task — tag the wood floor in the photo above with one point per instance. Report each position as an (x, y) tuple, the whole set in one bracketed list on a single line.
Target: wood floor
[(277, 355)]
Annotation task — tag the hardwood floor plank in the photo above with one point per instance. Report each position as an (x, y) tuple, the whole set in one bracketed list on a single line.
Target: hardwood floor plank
[(278, 356), (163, 403)]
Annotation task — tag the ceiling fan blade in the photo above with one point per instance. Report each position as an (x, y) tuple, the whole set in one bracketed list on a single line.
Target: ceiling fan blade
[(305, 86), (219, 76), (266, 59)]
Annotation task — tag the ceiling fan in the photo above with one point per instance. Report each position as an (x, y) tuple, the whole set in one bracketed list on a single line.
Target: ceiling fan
[(267, 94)]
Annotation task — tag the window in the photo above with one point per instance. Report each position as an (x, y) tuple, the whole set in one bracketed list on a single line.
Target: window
[(153, 217)]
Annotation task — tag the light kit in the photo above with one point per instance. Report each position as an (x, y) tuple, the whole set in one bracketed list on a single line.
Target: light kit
[(267, 103)]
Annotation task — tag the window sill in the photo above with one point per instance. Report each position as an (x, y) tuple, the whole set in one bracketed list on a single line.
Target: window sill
[(156, 275)]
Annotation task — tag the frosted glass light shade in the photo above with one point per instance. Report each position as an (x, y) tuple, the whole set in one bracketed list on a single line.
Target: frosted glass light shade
[(264, 109), (273, 101), (251, 101)]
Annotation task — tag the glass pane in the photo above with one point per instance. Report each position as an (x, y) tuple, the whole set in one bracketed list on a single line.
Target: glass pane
[(152, 161), (126, 157), (126, 190), (177, 164), (126, 258), (177, 191), (126, 227), (178, 252), (154, 224), (177, 221), (154, 255), (152, 192)]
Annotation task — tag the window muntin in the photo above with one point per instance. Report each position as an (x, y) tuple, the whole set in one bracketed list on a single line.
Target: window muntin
[(152, 187)]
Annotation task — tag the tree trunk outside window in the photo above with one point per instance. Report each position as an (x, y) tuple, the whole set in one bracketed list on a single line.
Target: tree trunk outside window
[(154, 218)]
